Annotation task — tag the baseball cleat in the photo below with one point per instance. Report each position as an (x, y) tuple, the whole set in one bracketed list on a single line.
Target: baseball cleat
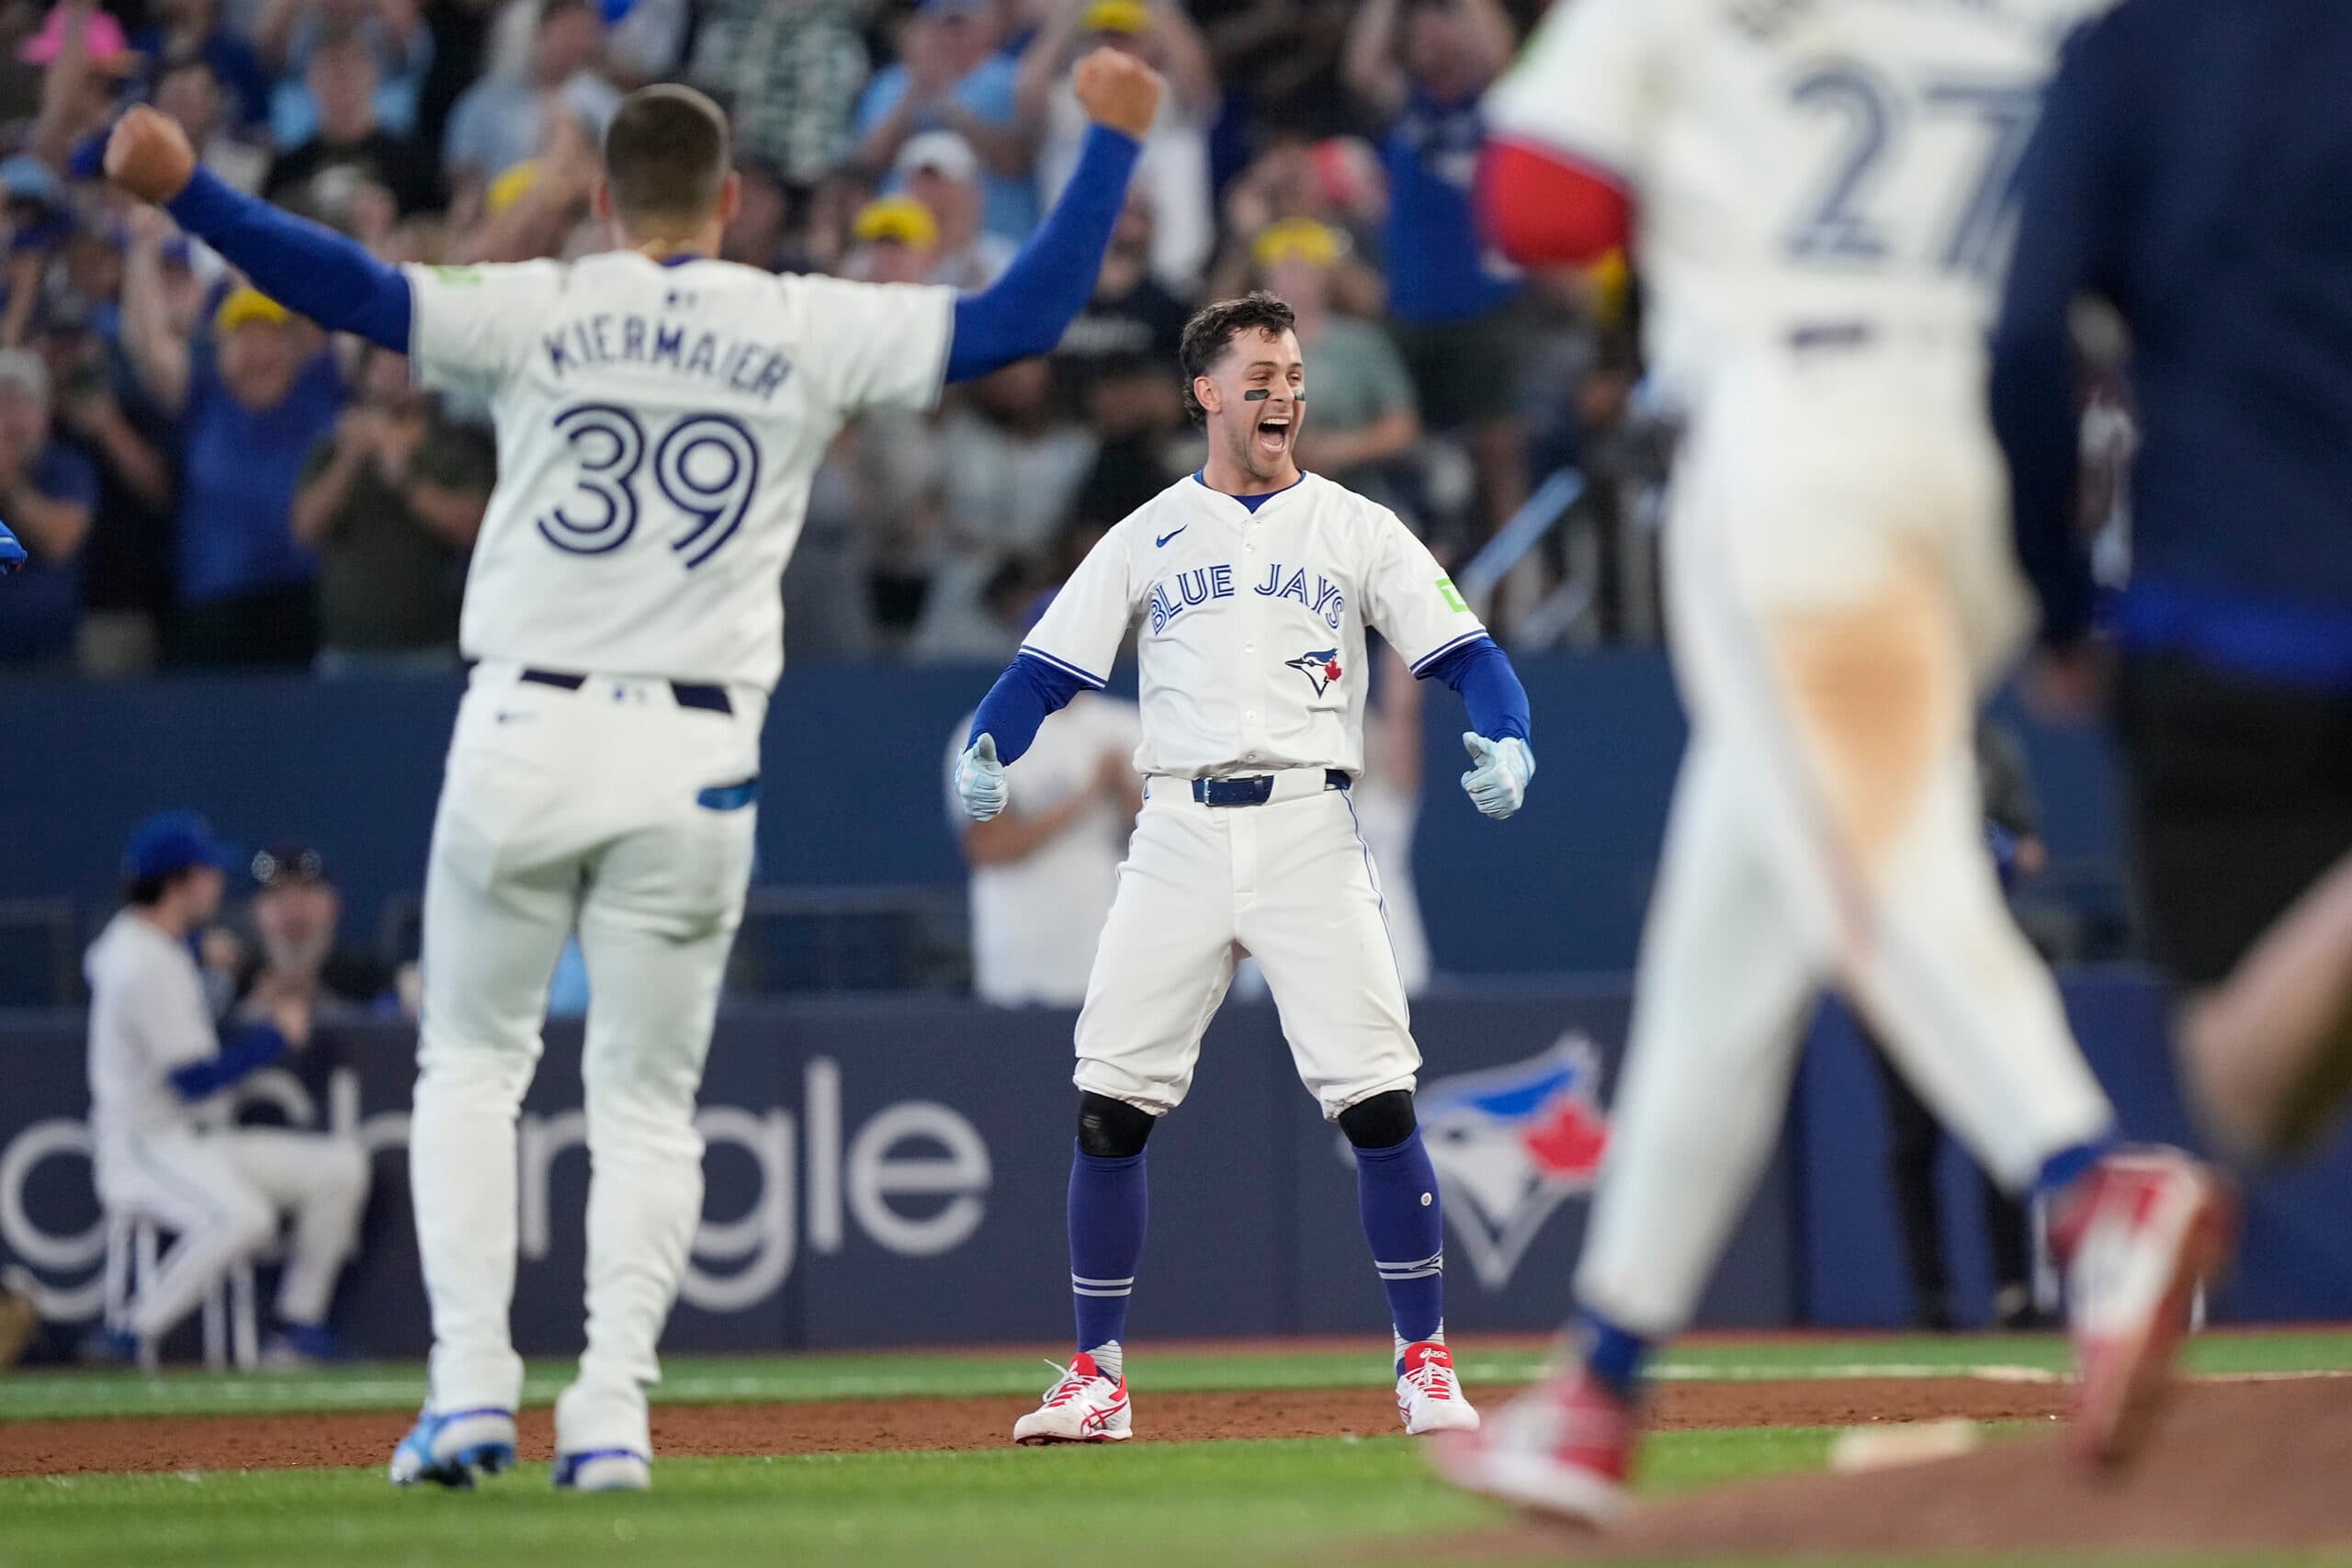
[(1428, 1396), (1083, 1407), (1563, 1449), (603, 1470), (449, 1449), (2137, 1236)]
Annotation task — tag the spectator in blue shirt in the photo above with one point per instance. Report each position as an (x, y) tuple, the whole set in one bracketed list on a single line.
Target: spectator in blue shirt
[(48, 493), (951, 77), (1420, 67), (253, 388), (2190, 169)]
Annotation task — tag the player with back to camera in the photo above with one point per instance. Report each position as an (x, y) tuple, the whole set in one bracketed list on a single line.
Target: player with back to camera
[(1255, 583), (659, 414), (1822, 201)]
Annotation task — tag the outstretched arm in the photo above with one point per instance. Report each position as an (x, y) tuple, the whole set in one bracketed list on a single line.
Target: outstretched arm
[(1027, 310), (299, 264)]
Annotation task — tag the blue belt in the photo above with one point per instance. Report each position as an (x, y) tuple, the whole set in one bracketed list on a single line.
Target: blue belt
[(1253, 791), (689, 695)]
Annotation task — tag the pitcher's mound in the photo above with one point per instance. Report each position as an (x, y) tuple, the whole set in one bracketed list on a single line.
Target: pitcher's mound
[(2244, 1465)]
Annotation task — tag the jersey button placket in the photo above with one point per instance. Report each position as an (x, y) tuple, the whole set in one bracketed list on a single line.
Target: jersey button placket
[(1250, 688)]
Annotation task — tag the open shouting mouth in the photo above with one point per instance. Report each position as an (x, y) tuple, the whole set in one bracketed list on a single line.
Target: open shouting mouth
[(1273, 432)]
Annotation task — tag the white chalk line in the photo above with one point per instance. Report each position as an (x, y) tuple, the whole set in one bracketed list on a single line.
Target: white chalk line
[(263, 1394)]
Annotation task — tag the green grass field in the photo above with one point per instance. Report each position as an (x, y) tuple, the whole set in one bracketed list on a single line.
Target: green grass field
[(1326, 1501)]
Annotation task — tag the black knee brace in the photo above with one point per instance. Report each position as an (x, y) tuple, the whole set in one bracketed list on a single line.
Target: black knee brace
[(1381, 1122), (1110, 1129)]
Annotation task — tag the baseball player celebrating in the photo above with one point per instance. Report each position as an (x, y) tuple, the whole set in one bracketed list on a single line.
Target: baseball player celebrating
[(1822, 191), (659, 416), (163, 1151), (1254, 584)]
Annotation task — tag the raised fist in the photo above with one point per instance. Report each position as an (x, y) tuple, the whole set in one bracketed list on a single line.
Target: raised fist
[(148, 154), (1118, 90)]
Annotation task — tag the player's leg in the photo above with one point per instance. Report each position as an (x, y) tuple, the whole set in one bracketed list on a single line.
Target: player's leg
[(1311, 912), (655, 928), (1726, 981), (1854, 672), (323, 1181), (187, 1184), (1160, 970), (498, 894)]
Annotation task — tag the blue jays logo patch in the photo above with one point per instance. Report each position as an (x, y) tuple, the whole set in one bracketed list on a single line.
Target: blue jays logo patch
[(1510, 1146), (1322, 668)]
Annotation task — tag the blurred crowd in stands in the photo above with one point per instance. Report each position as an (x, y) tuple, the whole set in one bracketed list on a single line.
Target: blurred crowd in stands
[(205, 482)]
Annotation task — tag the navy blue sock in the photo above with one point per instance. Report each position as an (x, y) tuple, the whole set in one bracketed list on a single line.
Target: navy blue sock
[(1612, 1355), (2062, 1170), (1396, 1194), (1109, 1200)]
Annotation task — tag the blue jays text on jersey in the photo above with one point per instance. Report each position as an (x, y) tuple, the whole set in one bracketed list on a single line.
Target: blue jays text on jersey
[(753, 369), (1172, 597)]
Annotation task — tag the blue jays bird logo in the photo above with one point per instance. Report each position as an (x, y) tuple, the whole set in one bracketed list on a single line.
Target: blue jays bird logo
[(1511, 1145), (1321, 667)]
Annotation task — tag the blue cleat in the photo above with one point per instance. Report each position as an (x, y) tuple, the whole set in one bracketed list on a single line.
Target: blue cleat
[(109, 1347), (603, 1470), (449, 1450)]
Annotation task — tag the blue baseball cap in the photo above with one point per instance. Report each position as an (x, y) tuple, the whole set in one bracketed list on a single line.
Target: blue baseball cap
[(26, 178), (174, 840)]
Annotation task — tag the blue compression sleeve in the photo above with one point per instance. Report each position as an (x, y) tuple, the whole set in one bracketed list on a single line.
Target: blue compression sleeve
[(1027, 310), (2064, 184), (1027, 691), (299, 264), (1490, 690), (250, 1050)]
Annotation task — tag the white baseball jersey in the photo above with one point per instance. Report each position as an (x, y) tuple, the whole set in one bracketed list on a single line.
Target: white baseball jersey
[(1797, 163), (148, 1018), (1252, 623), (658, 429), (1036, 920)]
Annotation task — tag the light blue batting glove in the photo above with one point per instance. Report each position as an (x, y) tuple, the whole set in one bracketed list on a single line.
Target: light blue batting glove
[(979, 779), (12, 554), (1498, 783)]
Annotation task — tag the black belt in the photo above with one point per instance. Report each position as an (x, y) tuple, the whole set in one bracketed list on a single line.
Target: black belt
[(1807, 336), (690, 694), (1252, 791)]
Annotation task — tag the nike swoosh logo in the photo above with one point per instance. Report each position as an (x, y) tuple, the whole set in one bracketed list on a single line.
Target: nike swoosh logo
[(505, 717), (1161, 542)]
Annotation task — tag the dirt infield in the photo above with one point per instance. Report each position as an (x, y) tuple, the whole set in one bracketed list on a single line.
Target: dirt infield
[(2236, 1467), (304, 1441)]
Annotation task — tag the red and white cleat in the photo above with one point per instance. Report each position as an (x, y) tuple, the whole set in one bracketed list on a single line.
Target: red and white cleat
[(1563, 1449), (1083, 1407), (2137, 1236), (1428, 1396)]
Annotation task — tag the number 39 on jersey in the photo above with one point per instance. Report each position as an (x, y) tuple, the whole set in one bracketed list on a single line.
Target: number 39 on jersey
[(705, 468)]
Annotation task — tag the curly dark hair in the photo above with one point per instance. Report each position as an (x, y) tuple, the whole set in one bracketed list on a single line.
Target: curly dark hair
[(1217, 325)]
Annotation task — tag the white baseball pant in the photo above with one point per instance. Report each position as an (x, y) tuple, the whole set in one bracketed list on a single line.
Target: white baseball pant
[(1289, 883), (1840, 589), (593, 807), (219, 1193)]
